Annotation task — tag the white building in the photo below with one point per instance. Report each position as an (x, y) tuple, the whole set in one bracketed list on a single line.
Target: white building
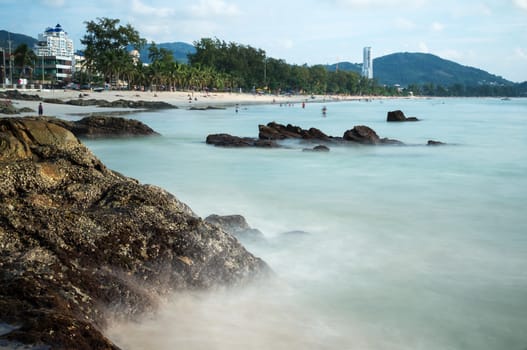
[(367, 63), (55, 52)]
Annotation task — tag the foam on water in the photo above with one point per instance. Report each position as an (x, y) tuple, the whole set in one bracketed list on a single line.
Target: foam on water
[(409, 247)]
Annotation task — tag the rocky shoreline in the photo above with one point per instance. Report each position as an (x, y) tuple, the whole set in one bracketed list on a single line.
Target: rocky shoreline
[(80, 242), (270, 135)]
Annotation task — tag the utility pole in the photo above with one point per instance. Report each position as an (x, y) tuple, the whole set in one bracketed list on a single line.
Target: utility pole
[(3, 67), (9, 41)]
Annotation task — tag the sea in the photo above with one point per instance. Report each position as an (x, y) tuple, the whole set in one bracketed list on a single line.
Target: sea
[(372, 247)]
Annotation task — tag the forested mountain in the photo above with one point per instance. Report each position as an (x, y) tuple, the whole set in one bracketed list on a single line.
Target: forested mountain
[(407, 68), (179, 49)]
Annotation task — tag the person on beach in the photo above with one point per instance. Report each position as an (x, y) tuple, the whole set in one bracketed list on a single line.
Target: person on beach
[(40, 109)]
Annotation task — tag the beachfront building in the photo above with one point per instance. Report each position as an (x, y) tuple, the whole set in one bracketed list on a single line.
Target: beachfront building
[(55, 55), (367, 63)]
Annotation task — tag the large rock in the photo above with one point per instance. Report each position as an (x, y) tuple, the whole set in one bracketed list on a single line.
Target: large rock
[(398, 116), (104, 126), (367, 136), (79, 242)]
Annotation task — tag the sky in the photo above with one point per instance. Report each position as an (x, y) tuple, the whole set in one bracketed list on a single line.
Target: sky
[(486, 34)]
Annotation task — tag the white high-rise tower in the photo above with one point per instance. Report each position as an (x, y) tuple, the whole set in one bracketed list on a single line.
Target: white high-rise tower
[(367, 64)]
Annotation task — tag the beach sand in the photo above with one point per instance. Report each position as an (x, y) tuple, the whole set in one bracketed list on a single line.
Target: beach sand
[(180, 99)]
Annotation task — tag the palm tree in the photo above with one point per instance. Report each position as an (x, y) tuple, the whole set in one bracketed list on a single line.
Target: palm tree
[(24, 60)]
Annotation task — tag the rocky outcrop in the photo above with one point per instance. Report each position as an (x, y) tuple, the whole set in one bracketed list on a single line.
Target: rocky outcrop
[(120, 103), (79, 242), (398, 116), (237, 226), (17, 95), (271, 134), (99, 126), (7, 107), (104, 126)]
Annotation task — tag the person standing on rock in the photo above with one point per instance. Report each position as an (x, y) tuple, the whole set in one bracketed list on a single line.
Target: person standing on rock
[(40, 109)]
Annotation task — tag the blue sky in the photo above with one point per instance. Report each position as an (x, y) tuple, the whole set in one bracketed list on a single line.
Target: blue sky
[(487, 34)]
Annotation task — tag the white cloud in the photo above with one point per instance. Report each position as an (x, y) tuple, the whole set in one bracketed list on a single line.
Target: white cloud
[(139, 8), (521, 4), (210, 8), (54, 3)]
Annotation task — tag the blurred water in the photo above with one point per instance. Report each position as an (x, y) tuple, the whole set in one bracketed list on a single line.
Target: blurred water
[(410, 247)]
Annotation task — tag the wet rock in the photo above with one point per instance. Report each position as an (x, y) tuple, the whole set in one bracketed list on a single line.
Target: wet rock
[(227, 140), (398, 116), (79, 241), (365, 135), (271, 134), (237, 226)]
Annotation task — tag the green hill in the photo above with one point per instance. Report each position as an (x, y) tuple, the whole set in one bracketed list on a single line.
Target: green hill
[(16, 40), (422, 68)]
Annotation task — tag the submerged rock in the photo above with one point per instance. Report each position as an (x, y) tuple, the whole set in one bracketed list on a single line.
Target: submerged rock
[(80, 242), (319, 148)]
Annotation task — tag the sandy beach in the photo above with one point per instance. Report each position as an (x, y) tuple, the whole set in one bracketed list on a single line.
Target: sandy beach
[(180, 99)]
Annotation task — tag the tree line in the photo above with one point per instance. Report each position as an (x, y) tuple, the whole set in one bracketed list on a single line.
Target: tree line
[(216, 65)]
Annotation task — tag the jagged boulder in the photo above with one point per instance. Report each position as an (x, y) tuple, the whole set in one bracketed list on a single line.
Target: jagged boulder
[(276, 131), (79, 241)]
